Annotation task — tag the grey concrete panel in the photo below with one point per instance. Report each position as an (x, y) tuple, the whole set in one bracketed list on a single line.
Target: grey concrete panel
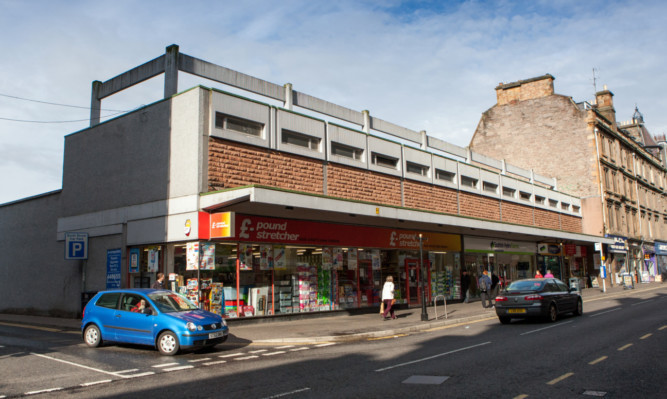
[(327, 108), (130, 78)]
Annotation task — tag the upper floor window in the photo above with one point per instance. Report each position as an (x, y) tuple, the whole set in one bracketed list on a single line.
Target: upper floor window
[(553, 203), (575, 209), (223, 121), (444, 175), (539, 200), (468, 181), (489, 187), (384, 160), (564, 206), (300, 139), (346, 151), (416, 168), (525, 196), (509, 192)]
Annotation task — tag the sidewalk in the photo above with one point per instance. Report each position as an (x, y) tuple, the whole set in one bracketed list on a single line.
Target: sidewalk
[(341, 326)]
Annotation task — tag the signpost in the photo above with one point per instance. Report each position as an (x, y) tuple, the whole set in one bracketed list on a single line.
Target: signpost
[(76, 245)]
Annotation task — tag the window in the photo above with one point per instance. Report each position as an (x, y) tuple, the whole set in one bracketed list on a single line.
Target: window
[(509, 192), (302, 140), (468, 181), (384, 161), (575, 209), (109, 300), (240, 125), (553, 203), (564, 206), (489, 187), (346, 151), (524, 195), (416, 168), (539, 199), (444, 175)]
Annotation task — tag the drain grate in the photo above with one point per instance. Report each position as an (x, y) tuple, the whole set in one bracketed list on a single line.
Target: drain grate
[(426, 379)]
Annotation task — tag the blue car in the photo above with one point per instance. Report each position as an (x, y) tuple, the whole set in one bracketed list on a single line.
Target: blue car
[(160, 318)]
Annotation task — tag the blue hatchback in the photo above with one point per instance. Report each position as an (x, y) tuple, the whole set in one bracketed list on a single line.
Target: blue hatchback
[(159, 318)]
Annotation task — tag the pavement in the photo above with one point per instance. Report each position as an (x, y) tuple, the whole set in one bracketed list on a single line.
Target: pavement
[(341, 325)]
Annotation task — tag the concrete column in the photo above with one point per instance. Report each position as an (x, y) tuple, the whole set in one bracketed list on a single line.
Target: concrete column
[(171, 71), (95, 103), (503, 166), (468, 155), (424, 139), (367, 121), (289, 99)]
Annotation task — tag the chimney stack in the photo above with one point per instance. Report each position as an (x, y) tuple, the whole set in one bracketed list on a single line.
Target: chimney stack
[(605, 104)]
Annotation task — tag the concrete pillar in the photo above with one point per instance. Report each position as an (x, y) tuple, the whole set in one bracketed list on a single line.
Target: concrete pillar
[(95, 103), (289, 99), (171, 71), (468, 155), (503, 166), (424, 140), (367, 121)]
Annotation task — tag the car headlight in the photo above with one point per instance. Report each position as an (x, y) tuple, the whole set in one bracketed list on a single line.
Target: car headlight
[(191, 326), (223, 323)]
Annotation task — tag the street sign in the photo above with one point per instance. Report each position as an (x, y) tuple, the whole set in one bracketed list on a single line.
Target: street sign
[(603, 271), (76, 245)]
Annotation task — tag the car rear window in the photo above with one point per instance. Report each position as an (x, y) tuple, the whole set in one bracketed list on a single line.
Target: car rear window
[(528, 285), (109, 300)]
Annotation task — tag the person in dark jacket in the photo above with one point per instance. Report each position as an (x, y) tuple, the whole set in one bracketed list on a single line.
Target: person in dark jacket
[(495, 287), (159, 282), (465, 285)]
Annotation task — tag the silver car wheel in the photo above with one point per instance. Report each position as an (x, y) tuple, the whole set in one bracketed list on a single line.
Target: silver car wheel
[(92, 336), (168, 343)]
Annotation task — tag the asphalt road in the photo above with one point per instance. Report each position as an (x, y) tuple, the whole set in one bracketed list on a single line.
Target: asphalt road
[(617, 349)]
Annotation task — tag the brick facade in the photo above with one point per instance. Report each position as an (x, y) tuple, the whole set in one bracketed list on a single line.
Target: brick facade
[(430, 197), (515, 213), (363, 185)]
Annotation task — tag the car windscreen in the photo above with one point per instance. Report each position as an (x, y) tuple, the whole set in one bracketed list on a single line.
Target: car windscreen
[(169, 302), (526, 285)]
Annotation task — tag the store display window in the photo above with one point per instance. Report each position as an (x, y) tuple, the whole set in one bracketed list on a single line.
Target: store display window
[(144, 263)]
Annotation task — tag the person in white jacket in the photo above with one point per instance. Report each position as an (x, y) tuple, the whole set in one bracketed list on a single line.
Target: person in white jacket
[(388, 298)]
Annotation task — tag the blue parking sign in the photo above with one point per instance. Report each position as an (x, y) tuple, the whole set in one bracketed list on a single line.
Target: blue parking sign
[(76, 245)]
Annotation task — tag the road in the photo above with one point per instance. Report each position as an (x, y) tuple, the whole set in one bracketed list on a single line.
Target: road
[(617, 349)]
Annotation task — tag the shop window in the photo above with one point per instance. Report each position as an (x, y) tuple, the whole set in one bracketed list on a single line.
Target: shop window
[(444, 175), (384, 161), (524, 195), (416, 168), (490, 187), (301, 140), (468, 181), (252, 128), (509, 192), (346, 151)]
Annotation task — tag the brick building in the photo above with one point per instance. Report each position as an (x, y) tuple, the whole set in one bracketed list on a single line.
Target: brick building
[(255, 209), (614, 167)]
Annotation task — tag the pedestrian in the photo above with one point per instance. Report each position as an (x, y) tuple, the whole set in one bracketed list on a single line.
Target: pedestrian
[(495, 286), (549, 274), (159, 282), (538, 274), (465, 284), (484, 285), (388, 298)]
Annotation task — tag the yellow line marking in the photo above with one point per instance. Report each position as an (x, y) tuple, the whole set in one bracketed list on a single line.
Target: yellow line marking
[(33, 327), (624, 347), (561, 378), (388, 337), (459, 324), (522, 396), (598, 360), (662, 328), (646, 336)]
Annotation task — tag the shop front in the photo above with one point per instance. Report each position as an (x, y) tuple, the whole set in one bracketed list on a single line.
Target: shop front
[(649, 270), (245, 265), (661, 259), (550, 258), (617, 254), (576, 264)]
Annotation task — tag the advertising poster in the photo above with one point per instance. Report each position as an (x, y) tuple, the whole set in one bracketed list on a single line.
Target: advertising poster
[(352, 259), (207, 257), (113, 268), (265, 257), (279, 257), (337, 263), (327, 258), (376, 263), (192, 256), (153, 260), (245, 257), (134, 260)]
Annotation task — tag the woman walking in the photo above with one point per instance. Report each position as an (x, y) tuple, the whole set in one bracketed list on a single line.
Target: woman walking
[(388, 298)]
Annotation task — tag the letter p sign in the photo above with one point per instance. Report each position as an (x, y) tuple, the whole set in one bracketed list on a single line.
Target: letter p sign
[(76, 245)]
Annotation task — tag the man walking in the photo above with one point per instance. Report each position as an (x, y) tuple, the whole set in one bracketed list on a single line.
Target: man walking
[(159, 282), (484, 285), (465, 284)]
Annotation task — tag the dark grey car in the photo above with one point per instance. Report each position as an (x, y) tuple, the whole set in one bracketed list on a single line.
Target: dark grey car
[(545, 298)]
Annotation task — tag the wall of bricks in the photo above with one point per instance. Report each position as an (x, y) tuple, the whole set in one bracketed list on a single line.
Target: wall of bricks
[(232, 164)]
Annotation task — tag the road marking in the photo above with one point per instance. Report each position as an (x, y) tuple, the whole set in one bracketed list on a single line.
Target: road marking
[(216, 362), (258, 351), (546, 328), (180, 368), (388, 337), (246, 358), (325, 344), (601, 313), (274, 353), (646, 336), (624, 347), (285, 347), (598, 360), (595, 393), (31, 327), (199, 360), (165, 365), (425, 379), (522, 396), (287, 393), (43, 391), (662, 328), (303, 348), (127, 371), (90, 384), (642, 302), (432, 357), (559, 379), (80, 365), (139, 375), (231, 355), (459, 324)]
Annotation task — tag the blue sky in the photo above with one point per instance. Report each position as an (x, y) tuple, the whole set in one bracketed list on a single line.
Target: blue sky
[(425, 65)]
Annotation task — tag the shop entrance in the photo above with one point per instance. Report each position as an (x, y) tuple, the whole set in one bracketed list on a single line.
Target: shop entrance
[(413, 282)]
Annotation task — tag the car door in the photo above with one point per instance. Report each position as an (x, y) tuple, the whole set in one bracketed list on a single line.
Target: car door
[(131, 326), (568, 299)]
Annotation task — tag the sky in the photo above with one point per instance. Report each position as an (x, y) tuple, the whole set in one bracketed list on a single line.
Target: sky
[(421, 64)]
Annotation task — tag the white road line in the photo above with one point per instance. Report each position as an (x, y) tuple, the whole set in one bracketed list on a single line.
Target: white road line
[(273, 353), (303, 348), (127, 371), (279, 395), (258, 351), (246, 358), (601, 313), (43, 391), (642, 302), (433, 357), (285, 347), (179, 368), (327, 344), (199, 360), (231, 355), (546, 328), (140, 374), (90, 384), (79, 365), (165, 365), (216, 362)]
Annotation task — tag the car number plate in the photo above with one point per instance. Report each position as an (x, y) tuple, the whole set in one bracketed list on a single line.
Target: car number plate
[(216, 335), (516, 310)]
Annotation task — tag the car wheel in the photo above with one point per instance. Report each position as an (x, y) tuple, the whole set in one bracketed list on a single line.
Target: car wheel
[(580, 308), (504, 320), (92, 336), (553, 313), (167, 343)]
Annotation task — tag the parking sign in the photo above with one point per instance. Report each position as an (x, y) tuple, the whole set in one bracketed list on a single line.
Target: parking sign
[(76, 245)]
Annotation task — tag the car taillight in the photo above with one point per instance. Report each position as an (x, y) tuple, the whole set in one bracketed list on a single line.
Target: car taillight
[(83, 313), (534, 297), (501, 298)]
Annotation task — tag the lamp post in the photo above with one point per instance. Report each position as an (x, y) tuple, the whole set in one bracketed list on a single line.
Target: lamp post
[(423, 283)]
